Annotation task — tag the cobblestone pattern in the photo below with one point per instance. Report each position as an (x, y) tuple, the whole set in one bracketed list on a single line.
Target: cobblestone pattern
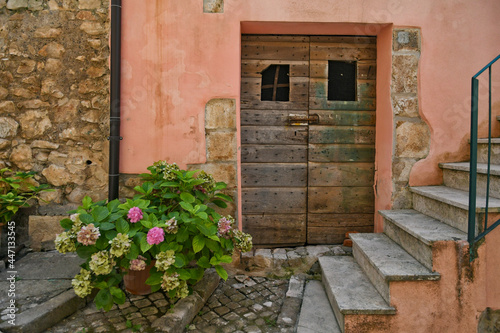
[(243, 304), (138, 310)]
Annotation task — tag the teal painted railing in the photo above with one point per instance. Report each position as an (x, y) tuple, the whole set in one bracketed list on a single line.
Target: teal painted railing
[(484, 229)]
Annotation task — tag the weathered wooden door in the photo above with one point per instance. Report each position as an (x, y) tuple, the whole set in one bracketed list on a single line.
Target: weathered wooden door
[(307, 135)]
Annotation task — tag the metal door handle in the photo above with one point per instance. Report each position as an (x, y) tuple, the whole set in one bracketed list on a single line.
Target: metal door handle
[(298, 119)]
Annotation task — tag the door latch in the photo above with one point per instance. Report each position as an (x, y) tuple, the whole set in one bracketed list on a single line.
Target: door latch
[(301, 120)]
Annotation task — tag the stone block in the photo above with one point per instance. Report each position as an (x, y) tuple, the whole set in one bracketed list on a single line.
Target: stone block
[(8, 127), (404, 73), (34, 123), (406, 40), (405, 106), (47, 32), (43, 230), (401, 196), (221, 146), (213, 6), (89, 4), (22, 157), (7, 107), (412, 139), (222, 172), (220, 113), (401, 168), (17, 4)]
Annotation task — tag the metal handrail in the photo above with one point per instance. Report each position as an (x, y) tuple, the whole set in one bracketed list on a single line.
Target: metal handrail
[(471, 237)]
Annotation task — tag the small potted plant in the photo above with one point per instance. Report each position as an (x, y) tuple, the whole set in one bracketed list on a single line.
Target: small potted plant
[(169, 233), (17, 190)]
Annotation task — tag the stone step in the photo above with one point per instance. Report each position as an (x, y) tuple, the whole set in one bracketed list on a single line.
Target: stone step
[(482, 150), (451, 206), (456, 175), (384, 261), (349, 290), (416, 232), (316, 314)]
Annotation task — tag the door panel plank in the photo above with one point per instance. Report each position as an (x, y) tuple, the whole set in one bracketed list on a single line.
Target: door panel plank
[(331, 228), (276, 229), (274, 38), (344, 39), (366, 69), (274, 175), (268, 117), (345, 118), (342, 134), (341, 174), (365, 104), (331, 52), (341, 153), (267, 153), (274, 200), (278, 135), (254, 68), (275, 50), (340, 200)]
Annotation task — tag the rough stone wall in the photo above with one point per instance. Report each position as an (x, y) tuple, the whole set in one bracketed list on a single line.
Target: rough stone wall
[(412, 135), (54, 94)]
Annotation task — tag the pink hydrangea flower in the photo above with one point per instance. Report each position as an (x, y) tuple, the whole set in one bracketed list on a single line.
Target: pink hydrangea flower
[(134, 214), (155, 236), (138, 264), (224, 226)]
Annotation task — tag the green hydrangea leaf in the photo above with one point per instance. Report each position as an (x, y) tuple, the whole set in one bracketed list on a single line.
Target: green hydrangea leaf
[(66, 223), (221, 271), (198, 243), (187, 197), (122, 226)]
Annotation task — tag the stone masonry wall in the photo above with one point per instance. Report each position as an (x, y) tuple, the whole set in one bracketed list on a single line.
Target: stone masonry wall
[(54, 94), (412, 135)]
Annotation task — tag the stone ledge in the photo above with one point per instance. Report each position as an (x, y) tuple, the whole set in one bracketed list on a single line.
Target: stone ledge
[(187, 308)]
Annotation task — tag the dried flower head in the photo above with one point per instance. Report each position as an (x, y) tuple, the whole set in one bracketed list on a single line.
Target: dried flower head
[(88, 234)]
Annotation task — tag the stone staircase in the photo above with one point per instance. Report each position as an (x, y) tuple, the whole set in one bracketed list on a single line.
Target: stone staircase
[(415, 276)]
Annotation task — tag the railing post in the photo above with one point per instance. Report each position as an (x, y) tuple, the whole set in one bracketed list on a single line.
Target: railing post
[(473, 167)]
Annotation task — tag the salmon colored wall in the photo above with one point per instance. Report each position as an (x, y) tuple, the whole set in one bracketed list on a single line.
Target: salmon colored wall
[(176, 58)]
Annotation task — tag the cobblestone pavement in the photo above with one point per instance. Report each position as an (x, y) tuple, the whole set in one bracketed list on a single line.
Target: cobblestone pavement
[(137, 310), (242, 304)]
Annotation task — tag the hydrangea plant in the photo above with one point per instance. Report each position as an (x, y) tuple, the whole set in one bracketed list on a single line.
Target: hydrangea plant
[(172, 221)]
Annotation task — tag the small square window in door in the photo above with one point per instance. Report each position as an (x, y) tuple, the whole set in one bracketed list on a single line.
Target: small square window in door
[(276, 83), (341, 80)]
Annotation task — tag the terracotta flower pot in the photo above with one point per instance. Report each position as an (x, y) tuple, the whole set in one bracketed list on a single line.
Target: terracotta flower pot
[(135, 281)]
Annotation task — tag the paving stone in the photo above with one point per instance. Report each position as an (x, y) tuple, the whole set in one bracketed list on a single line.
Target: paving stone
[(142, 303), (156, 296), (222, 310), (149, 311), (253, 329)]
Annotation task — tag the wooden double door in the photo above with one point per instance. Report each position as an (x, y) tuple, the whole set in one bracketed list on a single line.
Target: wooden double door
[(307, 137)]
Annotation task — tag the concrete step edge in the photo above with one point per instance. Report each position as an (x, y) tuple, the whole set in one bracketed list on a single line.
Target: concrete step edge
[(47, 314), (482, 168), (454, 197), (423, 227), (316, 314), (349, 289), (485, 140), (390, 260)]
